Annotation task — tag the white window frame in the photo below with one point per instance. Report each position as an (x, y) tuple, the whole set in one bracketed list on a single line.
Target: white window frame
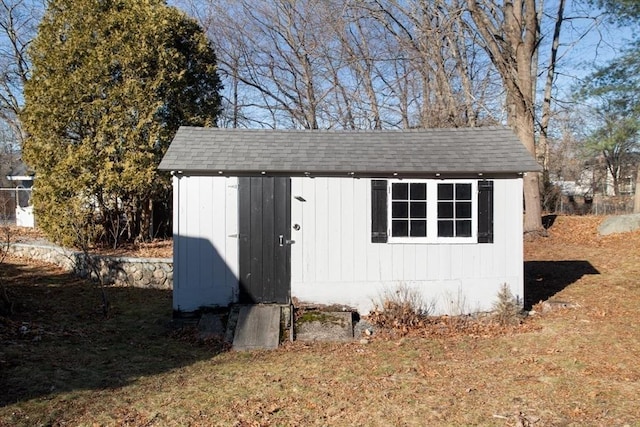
[(432, 212), (474, 212), (407, 239)]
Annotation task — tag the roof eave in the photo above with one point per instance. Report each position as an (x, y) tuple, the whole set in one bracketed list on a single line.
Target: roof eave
[(354, 174)]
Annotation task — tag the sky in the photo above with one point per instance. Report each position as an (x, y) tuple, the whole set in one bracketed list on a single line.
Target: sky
[(587, 43)]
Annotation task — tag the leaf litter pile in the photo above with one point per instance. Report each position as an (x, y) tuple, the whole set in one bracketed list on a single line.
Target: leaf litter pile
[(573, 361)]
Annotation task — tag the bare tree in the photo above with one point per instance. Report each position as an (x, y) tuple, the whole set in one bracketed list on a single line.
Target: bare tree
[(357, 37), (354, 64), (543, 145), (18, 26), (394, 64), (446, 71), (271, 50), (509, 33)]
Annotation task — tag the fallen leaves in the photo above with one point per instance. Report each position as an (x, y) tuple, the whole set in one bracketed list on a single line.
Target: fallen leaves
[(570, 366), (476, 326)]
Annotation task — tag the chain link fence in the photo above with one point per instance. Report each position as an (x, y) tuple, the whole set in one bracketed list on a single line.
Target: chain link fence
[(597, 205)]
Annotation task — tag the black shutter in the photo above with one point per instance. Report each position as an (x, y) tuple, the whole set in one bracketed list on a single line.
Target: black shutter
[(378, 211), (485, 211)]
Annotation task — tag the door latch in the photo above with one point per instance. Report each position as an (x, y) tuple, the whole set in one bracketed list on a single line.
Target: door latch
[(282, 241)]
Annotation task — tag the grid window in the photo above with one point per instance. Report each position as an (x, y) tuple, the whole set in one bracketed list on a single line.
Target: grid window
[(418, 211), (455, 211), (408, 209)]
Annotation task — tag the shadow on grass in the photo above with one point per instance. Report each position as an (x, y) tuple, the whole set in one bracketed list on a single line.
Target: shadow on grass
[(56, 338), (544, 279), (548, 220)]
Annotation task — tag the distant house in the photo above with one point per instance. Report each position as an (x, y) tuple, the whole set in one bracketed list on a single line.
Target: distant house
[(18, 201), (341, 217)]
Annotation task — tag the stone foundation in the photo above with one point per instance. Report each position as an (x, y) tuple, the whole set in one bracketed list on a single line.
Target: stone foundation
[(156, 273)]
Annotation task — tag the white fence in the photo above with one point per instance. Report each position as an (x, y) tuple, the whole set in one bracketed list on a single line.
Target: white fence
[(15, 207)]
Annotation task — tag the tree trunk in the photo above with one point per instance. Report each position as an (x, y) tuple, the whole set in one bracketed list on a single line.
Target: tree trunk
[(522, 123), (145, 233), (543, 143), (636, 197), (511, 41)]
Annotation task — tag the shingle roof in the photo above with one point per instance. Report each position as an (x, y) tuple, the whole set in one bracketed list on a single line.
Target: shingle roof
[(488, 150)]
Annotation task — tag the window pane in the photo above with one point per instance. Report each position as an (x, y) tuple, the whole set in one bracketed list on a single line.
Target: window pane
[(463, 191), (445, 228), (400, 210), (418, 191), (418, 209), (463, 210), (418, 228), (399, 191), (445, 191), (445, 209), (463, 228), (399, 228)]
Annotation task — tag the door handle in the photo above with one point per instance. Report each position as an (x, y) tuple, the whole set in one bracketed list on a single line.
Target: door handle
[(282, 241)]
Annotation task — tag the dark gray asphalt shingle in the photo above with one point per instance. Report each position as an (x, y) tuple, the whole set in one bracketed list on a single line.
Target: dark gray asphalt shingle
[(490, 150)]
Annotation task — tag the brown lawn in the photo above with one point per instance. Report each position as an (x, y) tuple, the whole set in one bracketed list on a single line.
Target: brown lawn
[(62, 363)]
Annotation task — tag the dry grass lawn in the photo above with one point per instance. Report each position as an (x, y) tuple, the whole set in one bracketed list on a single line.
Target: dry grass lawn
[(62, 363)]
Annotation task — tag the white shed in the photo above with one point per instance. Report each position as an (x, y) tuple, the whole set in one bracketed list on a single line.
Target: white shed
[(341, 217)]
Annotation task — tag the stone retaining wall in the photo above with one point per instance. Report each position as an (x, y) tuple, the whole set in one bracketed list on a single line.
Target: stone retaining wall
[(154, 273)]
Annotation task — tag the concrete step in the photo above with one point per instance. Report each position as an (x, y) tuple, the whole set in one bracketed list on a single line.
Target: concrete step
[(258, 327), (324, 326)]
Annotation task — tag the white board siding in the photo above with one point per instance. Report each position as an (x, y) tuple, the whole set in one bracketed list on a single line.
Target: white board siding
[(334, 261), (205, 229)]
